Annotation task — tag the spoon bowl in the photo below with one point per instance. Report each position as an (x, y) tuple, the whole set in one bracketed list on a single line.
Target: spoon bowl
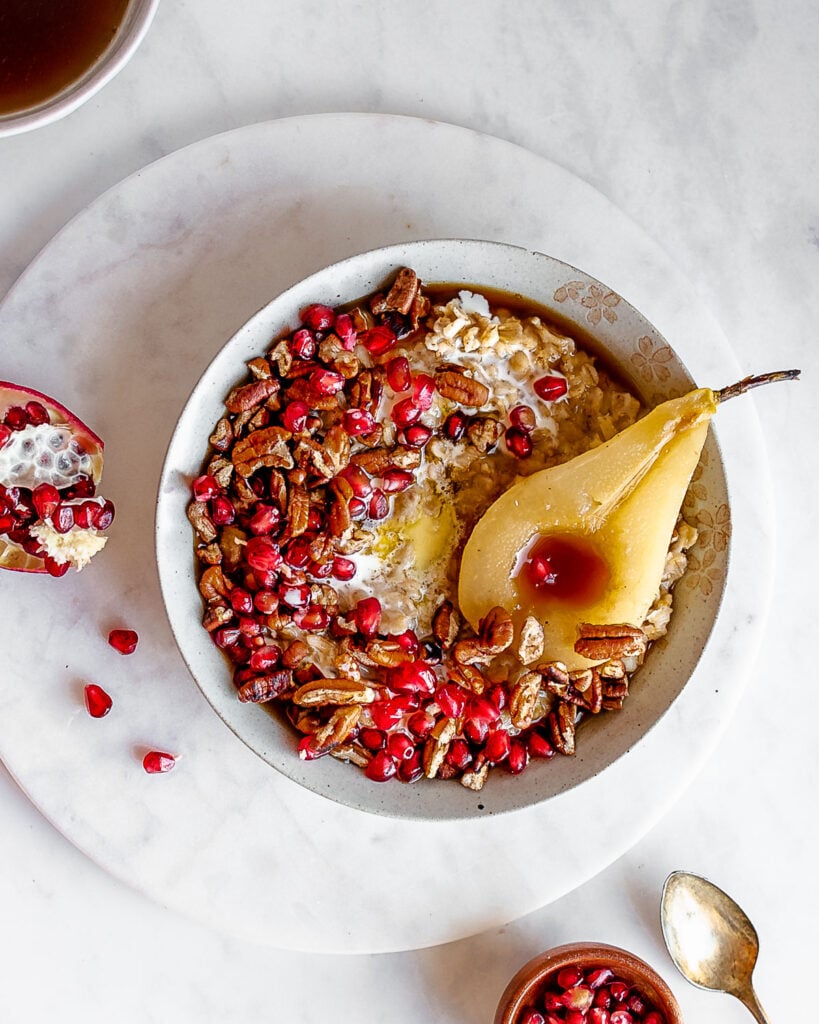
[(711, 940)]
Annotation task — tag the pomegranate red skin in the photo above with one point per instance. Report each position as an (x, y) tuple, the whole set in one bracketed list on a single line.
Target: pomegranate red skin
[(12, 395)]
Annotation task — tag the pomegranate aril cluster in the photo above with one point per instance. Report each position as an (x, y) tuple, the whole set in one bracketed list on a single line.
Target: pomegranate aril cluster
[(590, 995)]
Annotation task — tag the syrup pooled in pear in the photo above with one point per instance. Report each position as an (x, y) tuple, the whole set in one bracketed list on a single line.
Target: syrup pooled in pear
[(586, 541)]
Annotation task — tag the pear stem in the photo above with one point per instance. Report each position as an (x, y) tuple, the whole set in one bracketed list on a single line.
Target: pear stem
[(755, 382)]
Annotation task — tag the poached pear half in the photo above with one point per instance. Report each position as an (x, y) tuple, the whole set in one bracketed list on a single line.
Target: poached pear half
[(586, 541)]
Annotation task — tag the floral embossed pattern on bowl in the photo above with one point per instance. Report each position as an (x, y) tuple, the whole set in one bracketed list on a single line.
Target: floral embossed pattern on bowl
[(630, 345)]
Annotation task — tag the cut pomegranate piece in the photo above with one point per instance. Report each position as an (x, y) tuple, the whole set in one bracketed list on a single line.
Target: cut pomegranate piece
[(45, 448), (157, 762), (551, 388), (123, 640), (97, 702)]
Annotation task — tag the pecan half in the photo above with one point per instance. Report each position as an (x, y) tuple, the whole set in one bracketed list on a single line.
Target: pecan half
[(530, 641), (337, 728), (222, 436), (401, 296), (260, 368), (212, 583), (476, 778), (210, 554), (445, 625), (282, 357), (352, 753), (263, 688), (201, 521), (523, 699), (496, 630), (249, 396), (457, 387), (267, 447), (600, 643), (484, 433), (216, 616), (319, 692), (298, 511), (562, 720), (437, 745)]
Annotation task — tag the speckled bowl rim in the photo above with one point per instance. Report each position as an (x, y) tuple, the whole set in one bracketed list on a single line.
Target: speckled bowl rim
[(603, 739), (135, 24), (631, 967)]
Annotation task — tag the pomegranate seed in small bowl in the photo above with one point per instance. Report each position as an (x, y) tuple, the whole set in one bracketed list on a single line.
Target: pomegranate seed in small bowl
[(565, 984)]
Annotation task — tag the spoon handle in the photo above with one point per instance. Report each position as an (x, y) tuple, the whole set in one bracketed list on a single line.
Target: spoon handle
[(750, 1000)]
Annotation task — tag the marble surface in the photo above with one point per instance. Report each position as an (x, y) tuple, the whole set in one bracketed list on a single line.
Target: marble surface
[(692, 120)]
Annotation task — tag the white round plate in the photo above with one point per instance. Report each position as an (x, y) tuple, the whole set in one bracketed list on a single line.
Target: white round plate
[(640, 355), (118, 318)]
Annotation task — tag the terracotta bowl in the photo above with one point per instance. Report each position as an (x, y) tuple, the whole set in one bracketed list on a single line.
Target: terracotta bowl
[(523, 990)]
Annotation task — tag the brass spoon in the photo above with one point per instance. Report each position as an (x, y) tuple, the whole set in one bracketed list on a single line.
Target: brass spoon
[(710, 939)]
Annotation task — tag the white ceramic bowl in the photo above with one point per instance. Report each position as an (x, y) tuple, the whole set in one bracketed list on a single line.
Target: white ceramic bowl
[(640, 354), (122, 47)]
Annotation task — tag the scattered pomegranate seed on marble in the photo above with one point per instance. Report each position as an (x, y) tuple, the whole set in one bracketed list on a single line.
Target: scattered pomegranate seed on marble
[(156, 762), (97, 702), (123, 640)]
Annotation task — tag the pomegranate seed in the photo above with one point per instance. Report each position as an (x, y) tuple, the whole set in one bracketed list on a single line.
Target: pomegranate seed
[(518, 757), (599, 976), (620, 1017), (45, 498), (37, 413), (619, 991), (62, 519), (222, 511), (454, 426), (320, 570), (459, 755), (598, 1015), (482, 709), (156, 762), (297, 553), (295, 596), (378, 340), (205, 487), (318, 317), (411, 677), (263, 554), (388, 713), (653, 1018), (636, 1004), (265, 657), (227, 637), (343, 568), (551, 388), (578, 998), (308, 750), (102, 518), (346, 331), (497, 694), (303, 345), (497, 746), (602, 998), (421, 724), (381, 768), (532, 1017), (475, 730), (378, 507), (358, 480), (423, 391), (523, 418), (518, 442), (395, 480), (54, 568), (367, 616), (575, 1017), (451, 699), (417, 435), (569, 977), (295, 416), (400, 746), (85, 515), (84, 487), (541, 571), (241, 601), (399, 375), (5, 434), (372, 739), (97, 701), (326, 382), (7, 522), (123, 640), (266, 602), (358, 421), (265, 519), (16, 417), (313, 618), (552, 1001), (408, 641), (412, 769), (404, 413)]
